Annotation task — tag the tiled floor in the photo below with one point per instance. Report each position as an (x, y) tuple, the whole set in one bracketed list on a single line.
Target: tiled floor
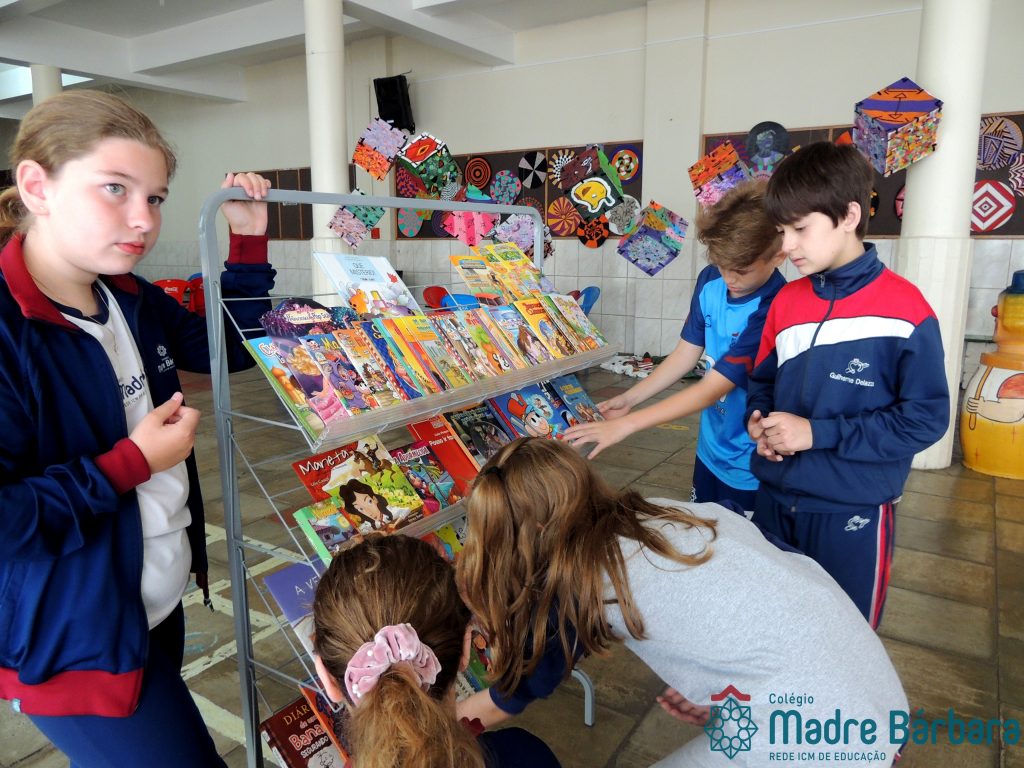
[(954, 624)]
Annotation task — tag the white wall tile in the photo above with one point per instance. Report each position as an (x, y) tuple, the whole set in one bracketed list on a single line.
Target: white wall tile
[(979, 311), (647, 336), (676, 300), (669, 335), (648, 297), (613, 265), (568, 260), (590, 263), (614, 329), (990, 267), (1016, 256), (613, 296)]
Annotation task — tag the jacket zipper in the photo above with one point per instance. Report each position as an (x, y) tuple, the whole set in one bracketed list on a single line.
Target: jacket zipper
[(814, 338)]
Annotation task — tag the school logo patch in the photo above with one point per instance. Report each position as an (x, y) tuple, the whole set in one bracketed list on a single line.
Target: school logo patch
[(856, 522), (856, 366), (730, 727)]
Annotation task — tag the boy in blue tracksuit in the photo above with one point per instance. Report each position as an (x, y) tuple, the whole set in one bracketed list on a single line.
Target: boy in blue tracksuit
[(723, 328), (849, 381)]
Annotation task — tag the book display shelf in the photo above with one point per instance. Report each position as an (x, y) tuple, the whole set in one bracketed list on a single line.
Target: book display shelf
[(257, 445)]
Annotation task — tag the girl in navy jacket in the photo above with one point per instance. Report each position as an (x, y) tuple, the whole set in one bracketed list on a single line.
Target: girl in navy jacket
[(101, 520)]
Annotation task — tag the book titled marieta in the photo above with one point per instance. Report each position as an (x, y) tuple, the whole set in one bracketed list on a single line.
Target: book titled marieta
[(297, 738)]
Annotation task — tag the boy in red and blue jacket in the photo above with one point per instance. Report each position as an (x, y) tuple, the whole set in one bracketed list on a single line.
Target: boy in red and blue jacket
[(849, 381)]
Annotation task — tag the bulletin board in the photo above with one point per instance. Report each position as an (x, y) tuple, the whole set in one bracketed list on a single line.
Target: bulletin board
[(998, 207), (523, 177)]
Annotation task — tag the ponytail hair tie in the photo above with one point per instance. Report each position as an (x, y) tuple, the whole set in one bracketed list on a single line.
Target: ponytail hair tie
[(393, 644)]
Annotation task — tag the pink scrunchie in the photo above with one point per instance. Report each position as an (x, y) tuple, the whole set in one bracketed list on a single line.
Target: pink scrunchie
[(396, 643)]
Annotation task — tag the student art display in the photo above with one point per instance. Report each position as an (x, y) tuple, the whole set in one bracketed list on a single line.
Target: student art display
[(656, 241), (999, 178), (897, 125)]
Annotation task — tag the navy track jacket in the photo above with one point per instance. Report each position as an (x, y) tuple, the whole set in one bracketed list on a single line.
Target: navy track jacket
[(857, 351), (73, 629)]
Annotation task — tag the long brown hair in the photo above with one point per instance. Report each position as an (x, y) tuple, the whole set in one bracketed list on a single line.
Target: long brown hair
[(66, 127), (543, 542), (389, 580)]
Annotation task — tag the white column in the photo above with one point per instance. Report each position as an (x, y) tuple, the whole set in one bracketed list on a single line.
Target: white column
[(328, 134), (934, 250), (46, 82)]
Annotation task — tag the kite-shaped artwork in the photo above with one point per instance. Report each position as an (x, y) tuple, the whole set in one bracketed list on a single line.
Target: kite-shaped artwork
[(378, 146), (518, 229), (562, 217), (582, 166), (469, 226), (352, 223), (533, 170), (624, 217), (656, 241), (716, 173), (505, 187), (897, 125)]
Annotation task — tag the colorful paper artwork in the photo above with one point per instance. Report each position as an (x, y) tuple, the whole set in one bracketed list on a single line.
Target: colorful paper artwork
[(624, 217), (533, 202), (1017, 174), (378, 146), (999, 141), (992, 207), (556, 162), (505, 187), (593, 232), (897, 125), (419, 149), (368, 214), (478, 172), (593, 196), (562, 217), (716, 173), (626, 162), (533, 170), (656, 241), (897, 204), (407, 184), (767, 143), (437, 221), (581, 167), (469, 226), (348, 227), (518, 229), (409, 222)]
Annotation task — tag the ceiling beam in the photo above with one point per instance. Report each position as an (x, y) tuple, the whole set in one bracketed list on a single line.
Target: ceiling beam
[(31, 40), (467, 34)]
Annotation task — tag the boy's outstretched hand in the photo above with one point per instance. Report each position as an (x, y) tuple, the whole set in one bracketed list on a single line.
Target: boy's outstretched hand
[(603, 434), (166, 434), (614, 408), (682, 708), (246, 217)]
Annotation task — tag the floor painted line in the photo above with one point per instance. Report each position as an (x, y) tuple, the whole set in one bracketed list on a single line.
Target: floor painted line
[(227, 651)]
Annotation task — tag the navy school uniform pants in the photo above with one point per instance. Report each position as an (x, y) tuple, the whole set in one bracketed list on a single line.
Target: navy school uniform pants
[(707, 487), (854, 547), (165, 731)]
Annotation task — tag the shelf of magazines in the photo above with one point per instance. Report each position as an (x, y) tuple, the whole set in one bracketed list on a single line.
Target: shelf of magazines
[(428, 406)]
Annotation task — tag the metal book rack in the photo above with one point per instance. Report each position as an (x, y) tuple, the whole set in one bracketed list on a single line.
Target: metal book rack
[(258, 542)]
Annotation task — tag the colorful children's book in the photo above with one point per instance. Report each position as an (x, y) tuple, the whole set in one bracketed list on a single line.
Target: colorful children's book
[(403, 353), (326, 527), (347, 382), (532, 412), (545, 328), (398, 374), (362, 355), (579, 344), (383, 501), (480, 279), (480, 430), (297, 739), (519, 332), (505, 346), (449, 450), (575, 398), (322, 473), (577, 319), (369, 284), (293, 587), (427, 476), (333, 719), (430, 349), (460, 345), (287, 388), (515, 270)]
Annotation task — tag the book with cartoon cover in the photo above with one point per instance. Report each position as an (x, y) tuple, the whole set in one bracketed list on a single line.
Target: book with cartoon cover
[(293, 588), (480, 429), (480, 279), (574, 315), (384, 501), (575, 398), (449, 450), (425, 342), (427, 476), (397, 372), (458, 339), (532, 412), (521, 335), (353, 391), (298, 740), (363, 357), (326, 527), (426, 380), (369, 284), (506, 347), (544, 328), (323, 472), (264, 351), (579, 344), (515, 270)]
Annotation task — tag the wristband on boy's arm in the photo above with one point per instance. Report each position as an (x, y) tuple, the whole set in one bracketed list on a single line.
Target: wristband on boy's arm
[(248, 249), (124, 465)]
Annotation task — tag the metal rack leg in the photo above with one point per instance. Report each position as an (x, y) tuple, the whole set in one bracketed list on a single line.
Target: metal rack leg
[(588, 695)]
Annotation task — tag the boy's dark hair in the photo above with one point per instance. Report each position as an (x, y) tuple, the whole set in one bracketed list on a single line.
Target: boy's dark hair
[(821, 178), (736, 230)]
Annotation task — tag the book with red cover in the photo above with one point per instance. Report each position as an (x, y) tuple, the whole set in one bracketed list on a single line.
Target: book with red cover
[(333, 718), (448, 449), (297, 739), (329, 469)]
